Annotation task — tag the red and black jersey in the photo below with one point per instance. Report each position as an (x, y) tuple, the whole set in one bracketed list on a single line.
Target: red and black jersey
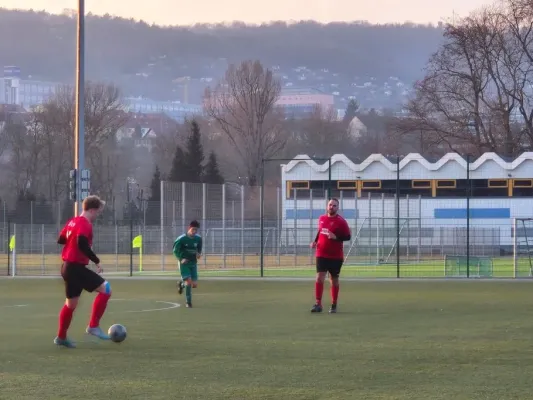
[(331, 248)]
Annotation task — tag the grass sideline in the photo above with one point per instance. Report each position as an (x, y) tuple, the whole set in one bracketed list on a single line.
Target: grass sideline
[(401, 340), (284, 266)]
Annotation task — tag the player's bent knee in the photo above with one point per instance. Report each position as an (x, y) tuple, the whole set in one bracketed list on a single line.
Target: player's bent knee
[(105, 288), (72, 303)]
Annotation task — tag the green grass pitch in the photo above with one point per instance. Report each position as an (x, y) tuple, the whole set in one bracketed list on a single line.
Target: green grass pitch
[(257, 340)]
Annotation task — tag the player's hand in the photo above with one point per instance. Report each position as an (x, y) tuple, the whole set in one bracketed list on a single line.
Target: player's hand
[(312, 245), (184, 261), (198, 255), (332, 236), (99, 269)]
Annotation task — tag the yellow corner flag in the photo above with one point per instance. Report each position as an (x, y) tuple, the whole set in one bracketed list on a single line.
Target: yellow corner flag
[(137, 242), (12, 243)]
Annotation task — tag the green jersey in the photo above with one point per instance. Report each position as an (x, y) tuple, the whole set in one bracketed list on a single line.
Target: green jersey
[(188, 247)]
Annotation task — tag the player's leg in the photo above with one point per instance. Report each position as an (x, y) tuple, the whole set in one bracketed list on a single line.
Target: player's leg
[(181, 283), (93, 282), (73, 291), (321, 269), (334, 273), (186, 274), (192, 283)]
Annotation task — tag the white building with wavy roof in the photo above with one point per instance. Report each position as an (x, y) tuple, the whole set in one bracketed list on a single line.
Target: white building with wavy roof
[(435, 198)]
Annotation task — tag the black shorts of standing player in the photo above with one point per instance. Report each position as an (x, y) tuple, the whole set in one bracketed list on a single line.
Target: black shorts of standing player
[(77, 278), (330, 265)]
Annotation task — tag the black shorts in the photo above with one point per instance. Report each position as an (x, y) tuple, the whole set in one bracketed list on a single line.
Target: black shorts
[(78, 278), (332, 266)]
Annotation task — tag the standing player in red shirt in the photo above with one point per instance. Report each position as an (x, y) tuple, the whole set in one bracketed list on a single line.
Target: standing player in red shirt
[(77, 238), (333, 230)]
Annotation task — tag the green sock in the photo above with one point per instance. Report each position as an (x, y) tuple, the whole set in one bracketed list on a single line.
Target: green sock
[(188, 293)]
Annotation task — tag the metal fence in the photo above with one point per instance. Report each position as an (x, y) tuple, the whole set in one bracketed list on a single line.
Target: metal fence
[(391, 237)]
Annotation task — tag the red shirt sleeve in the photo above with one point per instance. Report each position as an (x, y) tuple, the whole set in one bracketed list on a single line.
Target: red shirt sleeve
[(62, 238), (86, 229), (345, 228)]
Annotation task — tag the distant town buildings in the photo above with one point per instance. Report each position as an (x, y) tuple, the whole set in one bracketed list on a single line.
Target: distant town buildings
[(29, 93), (301, 102)]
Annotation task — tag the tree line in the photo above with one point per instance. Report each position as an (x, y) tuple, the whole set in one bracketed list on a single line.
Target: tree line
[(476, 95), (241, 126)]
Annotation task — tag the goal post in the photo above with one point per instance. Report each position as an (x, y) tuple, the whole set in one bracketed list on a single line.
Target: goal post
[(462, 266), (376, 240), (522, 247)]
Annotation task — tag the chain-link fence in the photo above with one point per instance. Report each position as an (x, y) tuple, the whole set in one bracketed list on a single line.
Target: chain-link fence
[(413, 235)]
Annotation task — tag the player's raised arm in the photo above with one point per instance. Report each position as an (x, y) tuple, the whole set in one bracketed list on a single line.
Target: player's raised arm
[(85, 247), (177, 248), (345, 233), (62, 238), (200, 245)]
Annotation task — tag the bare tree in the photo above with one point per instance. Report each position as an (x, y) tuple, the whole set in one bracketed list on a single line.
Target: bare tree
[(243, 108), (320, 134), (474, 86), (24, 148), (103, 118)]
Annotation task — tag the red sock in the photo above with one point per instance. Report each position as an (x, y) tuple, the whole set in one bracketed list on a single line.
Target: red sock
[(99, 306), (65, 317), (334, 294), (319, 289)]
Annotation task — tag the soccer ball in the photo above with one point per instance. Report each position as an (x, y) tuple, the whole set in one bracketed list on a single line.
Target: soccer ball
[(117, 333)]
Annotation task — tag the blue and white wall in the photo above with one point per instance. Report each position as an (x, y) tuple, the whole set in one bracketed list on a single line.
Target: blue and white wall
[(493, 214)]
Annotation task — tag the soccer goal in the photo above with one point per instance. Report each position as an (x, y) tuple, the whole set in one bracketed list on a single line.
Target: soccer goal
[(375, 241), (458, 266), (522, 247), (233, 241)]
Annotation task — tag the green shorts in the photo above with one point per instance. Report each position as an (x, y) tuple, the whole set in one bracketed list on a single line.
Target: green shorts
[(189, 270)]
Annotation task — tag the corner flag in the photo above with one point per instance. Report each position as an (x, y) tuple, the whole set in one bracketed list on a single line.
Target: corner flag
[(138, 244)]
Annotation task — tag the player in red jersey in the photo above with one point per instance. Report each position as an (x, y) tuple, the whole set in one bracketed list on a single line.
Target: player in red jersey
[(333, 230), (77, 238)]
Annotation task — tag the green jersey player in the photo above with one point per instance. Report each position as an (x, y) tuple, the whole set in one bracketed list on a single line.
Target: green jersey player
[(188, 249)]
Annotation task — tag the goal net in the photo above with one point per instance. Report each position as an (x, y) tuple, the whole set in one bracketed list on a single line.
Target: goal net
[(463, 266), (522, 247), (375, 241), (235, 241)]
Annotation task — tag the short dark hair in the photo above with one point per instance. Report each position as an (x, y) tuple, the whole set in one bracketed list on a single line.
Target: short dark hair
[(334, 199), (194, 224), (92, 203)]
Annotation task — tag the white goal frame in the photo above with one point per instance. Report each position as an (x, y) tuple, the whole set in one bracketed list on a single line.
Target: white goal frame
[(517, 243)]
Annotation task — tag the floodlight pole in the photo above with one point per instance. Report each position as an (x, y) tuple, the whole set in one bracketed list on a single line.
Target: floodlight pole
[(468, 195), (79, 131)]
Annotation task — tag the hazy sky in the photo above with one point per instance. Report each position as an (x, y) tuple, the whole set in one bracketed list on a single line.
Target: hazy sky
[(179, 12)]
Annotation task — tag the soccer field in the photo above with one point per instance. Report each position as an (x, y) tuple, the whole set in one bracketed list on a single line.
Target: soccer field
[(274, 266), (283, 266), (258, 340)]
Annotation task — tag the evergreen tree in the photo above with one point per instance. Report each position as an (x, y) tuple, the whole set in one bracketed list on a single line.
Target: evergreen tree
[(212, 173), (194, 155), (155, 186), (153, 208), (351, 111), (178, 172)]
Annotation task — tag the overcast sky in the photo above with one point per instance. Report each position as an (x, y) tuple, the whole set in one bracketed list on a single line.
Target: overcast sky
[(185, 12)]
